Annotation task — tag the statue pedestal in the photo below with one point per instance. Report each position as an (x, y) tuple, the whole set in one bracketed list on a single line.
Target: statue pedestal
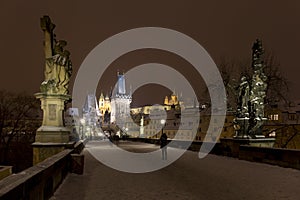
[(244, 125), (52, 137), (52, 134), (257, 139)]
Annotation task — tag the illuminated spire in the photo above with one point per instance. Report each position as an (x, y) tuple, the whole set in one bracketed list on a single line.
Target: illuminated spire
[(121, 84), (166, 102)]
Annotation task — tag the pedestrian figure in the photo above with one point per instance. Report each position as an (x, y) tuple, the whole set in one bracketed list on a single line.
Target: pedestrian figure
[(163, 145)]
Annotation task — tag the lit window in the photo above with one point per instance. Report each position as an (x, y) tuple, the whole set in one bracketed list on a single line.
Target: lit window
[(273, 134), (274, 117)]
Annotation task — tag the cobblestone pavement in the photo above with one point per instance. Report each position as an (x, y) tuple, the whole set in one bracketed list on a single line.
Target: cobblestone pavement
[(213, 177)]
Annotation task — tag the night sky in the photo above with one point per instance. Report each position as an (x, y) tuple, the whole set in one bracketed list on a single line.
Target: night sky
[(224, 28)]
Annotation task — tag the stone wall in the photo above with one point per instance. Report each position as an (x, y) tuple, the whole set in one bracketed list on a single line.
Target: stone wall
[(275, 156), (5, 171), (241, 150), (41, 180)]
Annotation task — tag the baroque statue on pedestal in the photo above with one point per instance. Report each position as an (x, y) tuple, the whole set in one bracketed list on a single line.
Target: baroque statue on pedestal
[(252, 92), (53, 136), (58, 66)]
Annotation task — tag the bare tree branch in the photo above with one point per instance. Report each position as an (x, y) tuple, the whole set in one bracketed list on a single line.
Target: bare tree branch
[(233, 70), (15, 109)]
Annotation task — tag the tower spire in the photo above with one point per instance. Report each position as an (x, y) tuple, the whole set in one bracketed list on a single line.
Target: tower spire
[(121, 84), (130, 90)]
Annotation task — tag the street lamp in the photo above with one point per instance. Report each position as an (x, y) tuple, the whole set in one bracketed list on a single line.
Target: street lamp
[(82, 122), (88, 129), (162, 122), (163, 140)]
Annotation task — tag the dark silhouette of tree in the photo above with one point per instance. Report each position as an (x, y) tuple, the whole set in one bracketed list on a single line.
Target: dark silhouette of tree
[(277, 84), (19, 118)]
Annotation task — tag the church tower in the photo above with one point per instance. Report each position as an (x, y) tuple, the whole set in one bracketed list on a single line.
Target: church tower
[(91, 116), (173, 101), (166, 101), (120, 103), (101, 103)]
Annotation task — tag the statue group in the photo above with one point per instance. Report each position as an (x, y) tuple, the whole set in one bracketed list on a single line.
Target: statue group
[(52, 137), (252, 92), (58, 66)]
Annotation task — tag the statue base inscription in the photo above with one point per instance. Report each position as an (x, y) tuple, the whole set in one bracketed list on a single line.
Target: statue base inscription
[(53, 107)]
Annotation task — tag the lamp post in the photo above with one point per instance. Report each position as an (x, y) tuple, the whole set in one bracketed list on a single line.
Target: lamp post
[(163, 141), (82, 122), (88, 129), (162, 122)]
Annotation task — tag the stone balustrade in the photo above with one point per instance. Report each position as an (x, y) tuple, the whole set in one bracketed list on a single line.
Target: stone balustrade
[(242, 150), (5, 171), (41, 180)]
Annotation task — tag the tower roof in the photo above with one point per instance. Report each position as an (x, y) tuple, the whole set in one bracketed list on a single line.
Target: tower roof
[(121, 84), (90, 103), (101, 96)]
